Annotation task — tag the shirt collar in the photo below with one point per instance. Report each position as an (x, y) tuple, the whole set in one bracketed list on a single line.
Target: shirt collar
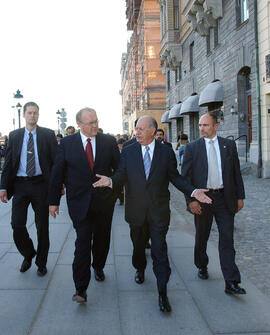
[(208, 139), (84, 137), (150, 145), (34, 131)]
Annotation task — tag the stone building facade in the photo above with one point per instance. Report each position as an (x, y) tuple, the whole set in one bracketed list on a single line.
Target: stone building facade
[(208, 57), (264, 62), (143, 86)]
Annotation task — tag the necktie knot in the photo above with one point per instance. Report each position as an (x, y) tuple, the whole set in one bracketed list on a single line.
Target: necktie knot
[(147, 148), (211, 142), (89, 140)]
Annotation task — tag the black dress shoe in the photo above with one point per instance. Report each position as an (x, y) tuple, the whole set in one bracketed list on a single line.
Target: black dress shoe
[(41, 271), (163, 303), (232, 287), (99, 275), (27, 262), (80, 296), (139, 276), (203, 273)]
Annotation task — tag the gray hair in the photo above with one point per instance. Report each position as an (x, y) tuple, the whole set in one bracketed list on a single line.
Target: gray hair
[(80, 112)]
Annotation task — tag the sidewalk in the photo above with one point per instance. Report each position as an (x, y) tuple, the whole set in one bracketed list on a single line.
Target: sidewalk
[(118, 306)]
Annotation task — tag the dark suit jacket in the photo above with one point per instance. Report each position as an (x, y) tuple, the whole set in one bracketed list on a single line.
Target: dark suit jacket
[(47, 147), (149, 196), (72, 169), (195, 168), (131, 141), (168, 143)]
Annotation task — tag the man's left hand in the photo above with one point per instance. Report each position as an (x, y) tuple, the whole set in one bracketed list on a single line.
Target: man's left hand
[(240, 205), (200, 195)]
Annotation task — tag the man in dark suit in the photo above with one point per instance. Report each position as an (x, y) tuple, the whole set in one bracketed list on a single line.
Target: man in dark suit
[(147, 167), (79, 158), (212, 162), (160, 137), (29, 159)]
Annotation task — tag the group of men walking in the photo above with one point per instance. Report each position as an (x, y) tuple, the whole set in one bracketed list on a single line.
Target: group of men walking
[(89, 166)]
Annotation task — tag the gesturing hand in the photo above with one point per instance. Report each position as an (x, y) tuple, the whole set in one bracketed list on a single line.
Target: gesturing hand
[(200, 195), (103, 181)]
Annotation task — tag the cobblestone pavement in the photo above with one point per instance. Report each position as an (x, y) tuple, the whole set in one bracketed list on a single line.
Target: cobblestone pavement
[(252, 230)]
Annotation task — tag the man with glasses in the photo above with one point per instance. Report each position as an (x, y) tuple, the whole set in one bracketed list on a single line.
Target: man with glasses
[(80, 157)]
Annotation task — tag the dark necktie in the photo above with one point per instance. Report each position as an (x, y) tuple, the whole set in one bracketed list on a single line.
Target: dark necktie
[(30, 163), (89, 154)]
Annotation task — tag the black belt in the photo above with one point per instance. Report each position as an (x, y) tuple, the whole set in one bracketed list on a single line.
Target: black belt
[(19, 178), (216, 190)]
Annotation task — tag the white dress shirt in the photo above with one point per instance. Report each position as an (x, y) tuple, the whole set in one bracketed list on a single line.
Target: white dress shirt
[(218, 158), (93, 143), (151, 149)]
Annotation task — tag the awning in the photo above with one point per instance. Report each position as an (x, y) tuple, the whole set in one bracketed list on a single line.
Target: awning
[(212, 93), (175, 112), (190, 105), (165, 117)]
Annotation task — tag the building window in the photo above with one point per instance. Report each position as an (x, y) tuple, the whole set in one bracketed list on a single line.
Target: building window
[(168, 81), (208, 44), (191, 56), (176, 14), (242, 12), (142, 74), (178, 73), (216, 43)]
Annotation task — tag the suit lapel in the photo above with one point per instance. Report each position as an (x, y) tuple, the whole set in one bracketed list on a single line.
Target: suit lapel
[(138, 159), (203, 161), (39, 142), (222, 149), (98, 149), (156, 158), (20, 142)]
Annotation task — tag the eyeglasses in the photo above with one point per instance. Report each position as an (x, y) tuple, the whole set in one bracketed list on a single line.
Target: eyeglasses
[(90, 124)]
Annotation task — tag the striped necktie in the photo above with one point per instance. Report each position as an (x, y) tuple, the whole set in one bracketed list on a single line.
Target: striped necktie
[(147, 162), (30, 162)]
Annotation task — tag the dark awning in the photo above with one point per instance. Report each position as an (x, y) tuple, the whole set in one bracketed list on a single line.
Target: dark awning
[(165, 117), (175, 112), (190, 105), (212, 93)]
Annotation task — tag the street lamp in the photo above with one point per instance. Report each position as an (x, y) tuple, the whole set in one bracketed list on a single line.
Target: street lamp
[(58, 113), (18, 95)]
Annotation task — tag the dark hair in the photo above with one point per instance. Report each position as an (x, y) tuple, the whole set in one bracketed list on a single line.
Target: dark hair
[(28, 104), (59, 135), (161, 131), (121, 141), (70, 127)]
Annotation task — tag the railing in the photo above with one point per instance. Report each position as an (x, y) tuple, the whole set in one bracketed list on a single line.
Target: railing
[(238, 138)]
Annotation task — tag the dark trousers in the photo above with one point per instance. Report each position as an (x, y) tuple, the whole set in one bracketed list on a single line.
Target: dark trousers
[(225, 224), (161, 267), (34, 193), (93, 236)]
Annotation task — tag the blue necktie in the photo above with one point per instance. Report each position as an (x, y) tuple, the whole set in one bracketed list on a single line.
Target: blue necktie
[(147, 162)]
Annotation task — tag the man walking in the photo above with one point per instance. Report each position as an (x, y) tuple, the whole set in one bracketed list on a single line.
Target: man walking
[(147, 167), (212, 162), (80, 157), (26, 173)]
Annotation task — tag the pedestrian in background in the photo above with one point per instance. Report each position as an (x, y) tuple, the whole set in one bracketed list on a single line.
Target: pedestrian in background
[(182, 142), (212, 162), (26, 173), (70, 130)]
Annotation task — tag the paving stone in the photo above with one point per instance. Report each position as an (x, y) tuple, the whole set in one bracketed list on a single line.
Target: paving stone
[(17, 310), (140, 315)]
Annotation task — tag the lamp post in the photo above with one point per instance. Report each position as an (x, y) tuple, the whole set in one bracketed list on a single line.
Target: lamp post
[(18, 95), (58, 113)]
